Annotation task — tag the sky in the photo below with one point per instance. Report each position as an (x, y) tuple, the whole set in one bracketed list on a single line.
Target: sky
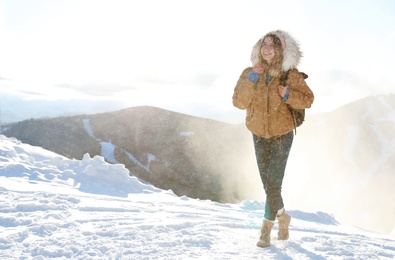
[(186, 55)]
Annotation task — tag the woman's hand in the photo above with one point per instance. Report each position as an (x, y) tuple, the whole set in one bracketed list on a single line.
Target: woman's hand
[(282, 90), (258, 68)]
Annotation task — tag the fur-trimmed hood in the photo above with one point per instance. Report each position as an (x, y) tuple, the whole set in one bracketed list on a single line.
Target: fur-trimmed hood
[(291, 52)]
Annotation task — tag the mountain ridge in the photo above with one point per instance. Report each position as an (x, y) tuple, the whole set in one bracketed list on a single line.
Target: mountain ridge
[(172, 147), (338, 157)]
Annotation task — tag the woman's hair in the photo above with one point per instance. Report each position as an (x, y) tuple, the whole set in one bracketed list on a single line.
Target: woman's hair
[(275, 67)]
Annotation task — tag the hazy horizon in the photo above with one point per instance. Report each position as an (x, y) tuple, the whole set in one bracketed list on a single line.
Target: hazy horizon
[(185, 56)]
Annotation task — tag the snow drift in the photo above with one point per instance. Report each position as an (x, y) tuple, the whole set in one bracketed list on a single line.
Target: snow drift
[(54, 207)]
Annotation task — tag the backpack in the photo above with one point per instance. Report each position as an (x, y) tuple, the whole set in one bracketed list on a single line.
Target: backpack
[(297, 114)]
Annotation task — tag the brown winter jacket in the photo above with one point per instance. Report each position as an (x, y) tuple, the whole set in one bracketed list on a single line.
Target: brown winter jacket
[(267, 115)]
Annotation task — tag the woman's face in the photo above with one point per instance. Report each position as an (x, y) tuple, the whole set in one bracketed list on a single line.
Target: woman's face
[(267, 49)]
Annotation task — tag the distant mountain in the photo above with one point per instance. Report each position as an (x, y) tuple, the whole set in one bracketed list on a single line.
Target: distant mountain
[(192, 156), (344, 161), (14, 108), (341, 161)]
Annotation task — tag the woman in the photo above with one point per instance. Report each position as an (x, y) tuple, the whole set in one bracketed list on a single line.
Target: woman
[(266, 101)]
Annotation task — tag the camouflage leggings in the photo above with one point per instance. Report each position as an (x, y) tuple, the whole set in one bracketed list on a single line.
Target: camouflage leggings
[(272, 155)]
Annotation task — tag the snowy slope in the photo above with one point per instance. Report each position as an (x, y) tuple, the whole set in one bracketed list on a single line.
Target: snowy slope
[(53, 207)]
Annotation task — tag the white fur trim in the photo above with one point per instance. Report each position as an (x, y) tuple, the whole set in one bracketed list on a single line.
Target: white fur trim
[(291, 53)]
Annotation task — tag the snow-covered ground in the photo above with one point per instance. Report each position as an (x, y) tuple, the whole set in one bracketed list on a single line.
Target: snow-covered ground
[(55, 208)]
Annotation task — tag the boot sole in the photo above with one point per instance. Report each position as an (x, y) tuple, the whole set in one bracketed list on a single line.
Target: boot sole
[(262, 244)]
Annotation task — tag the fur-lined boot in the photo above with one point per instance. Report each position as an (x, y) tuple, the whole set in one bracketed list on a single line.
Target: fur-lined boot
[(264, 239), (283, 225)]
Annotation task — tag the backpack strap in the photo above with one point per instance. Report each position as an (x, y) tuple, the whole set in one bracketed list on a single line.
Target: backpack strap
[(283, 82), (283, 78)]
